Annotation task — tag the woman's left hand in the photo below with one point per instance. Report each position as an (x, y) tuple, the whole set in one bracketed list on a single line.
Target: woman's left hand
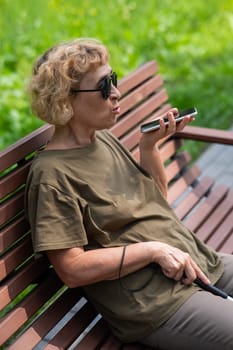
[(149, 140)]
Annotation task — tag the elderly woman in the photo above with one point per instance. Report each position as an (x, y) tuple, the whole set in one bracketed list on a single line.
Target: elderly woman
[(103, 219)]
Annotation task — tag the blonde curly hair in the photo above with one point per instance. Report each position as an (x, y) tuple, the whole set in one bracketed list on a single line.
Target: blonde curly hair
[(58, 70)]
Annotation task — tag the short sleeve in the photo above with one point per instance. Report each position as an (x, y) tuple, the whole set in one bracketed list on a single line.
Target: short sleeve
[(55, 218)]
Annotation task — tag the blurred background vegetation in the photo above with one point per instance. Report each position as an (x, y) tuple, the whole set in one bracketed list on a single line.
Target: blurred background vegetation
[(192, 42)]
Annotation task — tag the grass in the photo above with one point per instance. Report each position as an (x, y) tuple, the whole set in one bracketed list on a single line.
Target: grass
[(192, 42)]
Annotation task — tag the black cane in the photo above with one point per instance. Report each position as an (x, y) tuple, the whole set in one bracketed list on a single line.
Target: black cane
[(212, 289)]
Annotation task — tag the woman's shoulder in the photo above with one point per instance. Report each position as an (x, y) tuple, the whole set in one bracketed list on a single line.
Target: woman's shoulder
[(108, 137), (45, 167)]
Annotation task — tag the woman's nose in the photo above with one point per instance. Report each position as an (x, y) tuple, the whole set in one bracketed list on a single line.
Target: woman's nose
[(115, 93)]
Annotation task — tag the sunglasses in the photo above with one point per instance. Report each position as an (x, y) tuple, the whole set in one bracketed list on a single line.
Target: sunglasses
[(105, 86)]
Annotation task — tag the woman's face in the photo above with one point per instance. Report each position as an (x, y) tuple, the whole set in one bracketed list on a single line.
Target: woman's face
[(91, 110)]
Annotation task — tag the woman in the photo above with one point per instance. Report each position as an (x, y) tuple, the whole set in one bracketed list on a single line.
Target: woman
[(103, 220)]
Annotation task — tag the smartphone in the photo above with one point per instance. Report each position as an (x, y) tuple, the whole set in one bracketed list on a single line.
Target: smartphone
[(154, 124)]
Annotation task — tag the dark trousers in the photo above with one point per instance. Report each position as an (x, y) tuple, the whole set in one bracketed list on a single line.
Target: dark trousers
[(204, 322)]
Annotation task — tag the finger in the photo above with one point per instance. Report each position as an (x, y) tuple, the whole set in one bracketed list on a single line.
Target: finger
[(162, 132), (179, 275), (199, 273), (170, 271), (192, 273), (202, 276), (189, 275), (175, 271), (180, 125), (162, 124), (184, 122), (171, 123), (174, 111)]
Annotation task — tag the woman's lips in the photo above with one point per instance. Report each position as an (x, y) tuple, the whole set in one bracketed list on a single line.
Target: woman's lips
[(117, 110)]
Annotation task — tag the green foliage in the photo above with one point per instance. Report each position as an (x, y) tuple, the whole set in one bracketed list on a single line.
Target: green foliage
[(192, 43)]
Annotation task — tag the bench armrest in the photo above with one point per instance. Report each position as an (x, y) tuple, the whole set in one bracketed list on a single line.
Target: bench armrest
[(206, 135)]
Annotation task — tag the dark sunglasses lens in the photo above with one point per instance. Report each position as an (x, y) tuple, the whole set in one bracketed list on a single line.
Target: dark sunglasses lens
[(106, 85), (114, 79)]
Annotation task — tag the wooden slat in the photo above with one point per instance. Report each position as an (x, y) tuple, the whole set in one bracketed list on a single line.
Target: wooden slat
[(15, 257), (216, 218), (137, 76), (35, 333), (194, 197), (177, 165), (95, 337), (207, 135), (169, 149), (13, 232), (73, 328), (13, 180), (182, 184), (227, 247), (25, 146), (222, 234), (16, 284), (11, 207), (140, 93), (16, 318), (199, 216)]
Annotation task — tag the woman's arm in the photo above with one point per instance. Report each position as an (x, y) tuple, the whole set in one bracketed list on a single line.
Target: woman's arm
[(150, 158), (77, 267)]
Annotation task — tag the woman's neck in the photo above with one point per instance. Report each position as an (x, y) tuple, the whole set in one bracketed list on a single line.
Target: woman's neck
[(66, 137)]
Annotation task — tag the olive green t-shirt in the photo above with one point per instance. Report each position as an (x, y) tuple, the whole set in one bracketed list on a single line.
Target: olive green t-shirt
[(98, 196)]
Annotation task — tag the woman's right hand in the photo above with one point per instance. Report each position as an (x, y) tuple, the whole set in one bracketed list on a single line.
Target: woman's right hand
[(177, 264)]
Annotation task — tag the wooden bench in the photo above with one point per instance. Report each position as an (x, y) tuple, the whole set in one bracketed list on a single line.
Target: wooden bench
[(36, 308)]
